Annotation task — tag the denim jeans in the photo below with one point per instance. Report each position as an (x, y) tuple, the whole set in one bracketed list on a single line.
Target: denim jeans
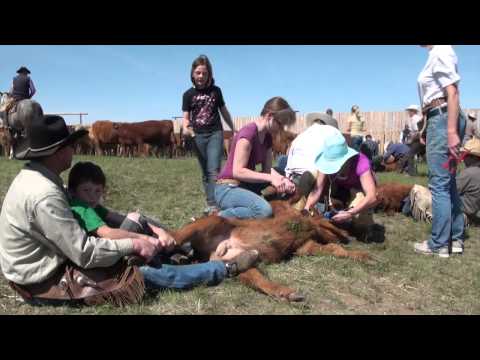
[(281, 164), (236, 202), (183, 277), (209, 151), (356, 142), (160, 276), (448, 222)]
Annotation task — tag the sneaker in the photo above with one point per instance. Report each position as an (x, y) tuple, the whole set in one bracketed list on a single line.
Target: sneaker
[(424, 249), (457, 247), (242, 262)]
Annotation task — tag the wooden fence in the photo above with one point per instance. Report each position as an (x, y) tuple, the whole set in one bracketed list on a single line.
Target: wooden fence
[(383, 126)]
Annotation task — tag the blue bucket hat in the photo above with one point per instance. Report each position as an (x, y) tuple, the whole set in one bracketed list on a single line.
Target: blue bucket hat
[(334, 155)]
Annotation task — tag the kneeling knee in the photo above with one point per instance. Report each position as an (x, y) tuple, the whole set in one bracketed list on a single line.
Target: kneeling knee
[(264, 212)]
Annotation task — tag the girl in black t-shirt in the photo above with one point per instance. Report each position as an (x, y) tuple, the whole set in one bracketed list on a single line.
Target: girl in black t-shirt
[(202, 105)]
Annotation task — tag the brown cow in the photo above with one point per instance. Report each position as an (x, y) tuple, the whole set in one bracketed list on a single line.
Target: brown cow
[(288, 233), (105, 137), (390, 197), (5, 142), (281, 142), (154, 132)]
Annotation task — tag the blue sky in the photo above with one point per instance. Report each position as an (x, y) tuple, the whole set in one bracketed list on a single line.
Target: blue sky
[(136, 83)]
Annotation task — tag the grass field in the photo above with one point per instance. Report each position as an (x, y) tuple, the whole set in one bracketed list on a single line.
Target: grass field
[(401, 282)]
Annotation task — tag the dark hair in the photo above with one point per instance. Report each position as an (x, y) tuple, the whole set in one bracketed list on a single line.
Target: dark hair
[(85, 171), (368, 136), (202, 60), (278, 104), (329, 112)]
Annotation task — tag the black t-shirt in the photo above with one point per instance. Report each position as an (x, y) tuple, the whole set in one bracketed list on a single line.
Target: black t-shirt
[(203, 106)]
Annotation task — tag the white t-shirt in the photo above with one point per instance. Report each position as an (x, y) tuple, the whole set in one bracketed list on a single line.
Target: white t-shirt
[(414, 122), (440, 71), (306, 147)]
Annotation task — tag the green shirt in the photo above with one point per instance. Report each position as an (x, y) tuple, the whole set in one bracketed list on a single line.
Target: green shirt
[(89, 218)]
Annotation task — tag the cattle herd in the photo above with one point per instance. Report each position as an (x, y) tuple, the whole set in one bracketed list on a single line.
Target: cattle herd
[(146, 138)]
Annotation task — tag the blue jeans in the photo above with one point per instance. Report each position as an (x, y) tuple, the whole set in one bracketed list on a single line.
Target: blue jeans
[(281, 164), (183, 277), (209, 151), (448, 223), (357, 142), (236, 202)]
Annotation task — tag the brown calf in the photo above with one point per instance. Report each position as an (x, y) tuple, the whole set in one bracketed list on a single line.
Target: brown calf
[(288, 233)]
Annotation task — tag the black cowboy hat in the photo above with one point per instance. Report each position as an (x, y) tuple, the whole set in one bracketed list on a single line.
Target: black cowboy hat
[(37, 135), (23, 69)]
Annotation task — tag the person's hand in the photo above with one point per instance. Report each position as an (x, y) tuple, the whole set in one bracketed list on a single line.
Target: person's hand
[(187, 131), (454, 144), (167, 241), (342, 216), (278, 183), (422, 141), (289, 186), (146, 247)]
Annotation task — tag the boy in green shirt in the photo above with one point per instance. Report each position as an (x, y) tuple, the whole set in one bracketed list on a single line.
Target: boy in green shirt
[(86, 185)]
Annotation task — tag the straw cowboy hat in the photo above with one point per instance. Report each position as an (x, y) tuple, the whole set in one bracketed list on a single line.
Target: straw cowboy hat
[(37, 135), (335, 154), (472, 115), (413, 107), (473, 146), (321, 118)]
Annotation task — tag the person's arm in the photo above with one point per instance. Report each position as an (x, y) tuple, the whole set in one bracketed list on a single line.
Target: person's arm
[(187, 129), (349, 126), (315, 194), (106, 231), (242, 173), (114, 219), (452, 122), (287, 186), (32, 88), (370, 190), (61, 231), (228, 119)]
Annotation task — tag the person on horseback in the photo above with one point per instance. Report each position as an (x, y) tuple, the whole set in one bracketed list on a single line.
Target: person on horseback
[(22, 85), (22, 88)]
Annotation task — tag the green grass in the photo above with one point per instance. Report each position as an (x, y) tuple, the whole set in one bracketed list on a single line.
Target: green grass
[(401, 282)]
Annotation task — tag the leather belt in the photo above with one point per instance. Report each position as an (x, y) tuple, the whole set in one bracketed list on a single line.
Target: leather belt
[(228, 182), (437, 111), (434, 103)]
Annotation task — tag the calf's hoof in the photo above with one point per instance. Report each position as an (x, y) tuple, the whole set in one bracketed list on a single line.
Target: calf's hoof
[(295, 297)]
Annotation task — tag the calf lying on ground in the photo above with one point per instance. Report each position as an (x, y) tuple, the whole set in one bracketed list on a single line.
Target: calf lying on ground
[(288, 233), (390, 197)]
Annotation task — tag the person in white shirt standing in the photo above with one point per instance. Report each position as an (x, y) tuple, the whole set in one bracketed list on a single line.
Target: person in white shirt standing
[(439, 96), (414, 117)]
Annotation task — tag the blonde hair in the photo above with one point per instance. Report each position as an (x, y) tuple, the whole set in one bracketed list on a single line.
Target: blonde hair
[(277, 105)]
